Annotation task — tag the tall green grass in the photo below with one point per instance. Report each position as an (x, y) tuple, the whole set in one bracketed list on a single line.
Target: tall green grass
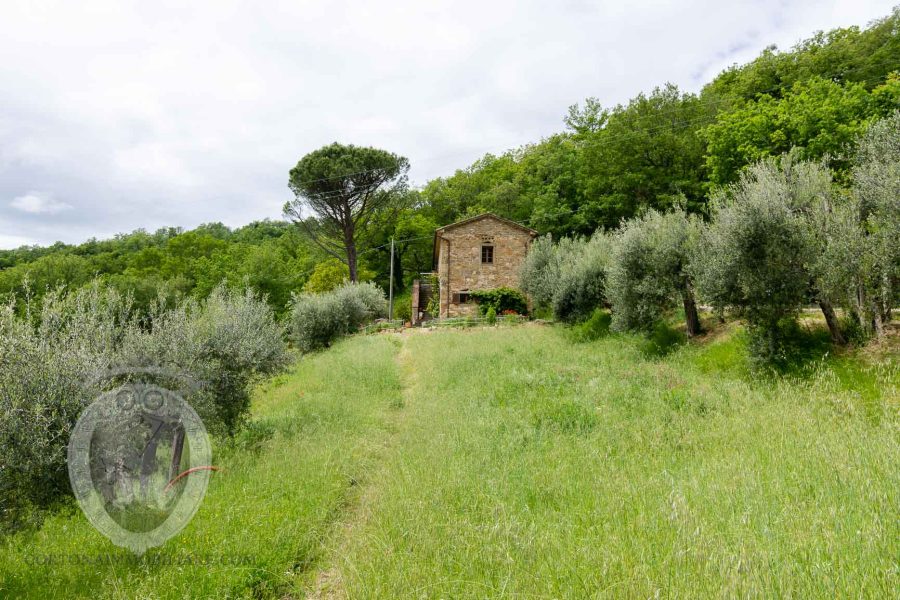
[(539, 468), (512, 462), (283, 483)]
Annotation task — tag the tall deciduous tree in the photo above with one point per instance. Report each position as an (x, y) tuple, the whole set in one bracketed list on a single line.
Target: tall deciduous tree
[(344, 187), (818, 117), (844, 55), (648, 154)]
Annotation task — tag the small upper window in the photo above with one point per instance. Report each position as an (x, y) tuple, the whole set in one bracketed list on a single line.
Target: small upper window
[(487, 254)]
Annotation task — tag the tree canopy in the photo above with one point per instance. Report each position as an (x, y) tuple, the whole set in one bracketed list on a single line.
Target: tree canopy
[(344, 186)]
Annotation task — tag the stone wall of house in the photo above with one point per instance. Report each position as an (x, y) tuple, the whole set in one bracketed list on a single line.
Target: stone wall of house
[(459, 261)]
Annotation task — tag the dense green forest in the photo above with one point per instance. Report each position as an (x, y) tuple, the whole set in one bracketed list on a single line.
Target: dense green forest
[(662, 149)]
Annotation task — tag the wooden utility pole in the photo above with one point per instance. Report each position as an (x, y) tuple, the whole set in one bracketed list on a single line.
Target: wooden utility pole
[(391, 285)]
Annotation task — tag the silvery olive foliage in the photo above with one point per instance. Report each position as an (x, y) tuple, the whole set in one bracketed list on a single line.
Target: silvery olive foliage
[(755, 255), (317, 320), (877, 186), (783, 237), (226, 343), (360, 303), (568, 277), (56, 359), (859, 261), (855, 235), (649, 270), (582, 279), (44, 359), (539, 274)]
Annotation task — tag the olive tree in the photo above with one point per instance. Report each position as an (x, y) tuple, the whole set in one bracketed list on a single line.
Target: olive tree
[(809, 191), (649, 270), (582, 277), (754, 257), (54, 357), (876, 191), (539, 274), (844, 262), (317, 320), (857, 235), (568, 277)]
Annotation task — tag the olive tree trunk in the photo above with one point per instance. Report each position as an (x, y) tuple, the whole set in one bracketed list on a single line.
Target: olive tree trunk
[(691, 318), (877, 323), (834, 326)]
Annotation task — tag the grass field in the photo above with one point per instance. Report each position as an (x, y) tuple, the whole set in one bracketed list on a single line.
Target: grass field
[(514, 462)]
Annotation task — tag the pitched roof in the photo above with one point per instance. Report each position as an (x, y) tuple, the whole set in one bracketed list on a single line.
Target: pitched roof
[(440, 230), (485, 216)]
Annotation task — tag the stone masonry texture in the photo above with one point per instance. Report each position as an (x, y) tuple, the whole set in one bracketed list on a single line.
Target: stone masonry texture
[(459, 266)]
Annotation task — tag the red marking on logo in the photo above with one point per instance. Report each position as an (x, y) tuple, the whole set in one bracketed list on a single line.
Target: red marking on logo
[(188, 472)]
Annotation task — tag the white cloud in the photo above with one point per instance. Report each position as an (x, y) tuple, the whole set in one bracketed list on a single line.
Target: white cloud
[(13, 241), (38, 203), (172, 113)]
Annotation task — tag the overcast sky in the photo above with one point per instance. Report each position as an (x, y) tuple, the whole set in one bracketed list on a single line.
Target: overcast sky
[(119, 115)]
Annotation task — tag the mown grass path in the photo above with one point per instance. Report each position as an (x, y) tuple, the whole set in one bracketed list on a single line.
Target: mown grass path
[(514, 463), (329, 582)]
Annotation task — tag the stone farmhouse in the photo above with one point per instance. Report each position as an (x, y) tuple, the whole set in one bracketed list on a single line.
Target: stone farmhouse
[(479, 253)]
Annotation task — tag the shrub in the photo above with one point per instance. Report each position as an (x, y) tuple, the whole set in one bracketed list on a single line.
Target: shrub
[(593, 328), (500, 300), (42, 369), (317, 320), (51, 360), (491, 316), (774, 347), (661, 340), (230, 340), (360, 303), (403, 306)]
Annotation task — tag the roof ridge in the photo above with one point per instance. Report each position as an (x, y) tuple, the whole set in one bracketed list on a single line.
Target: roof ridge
[(483, 216)]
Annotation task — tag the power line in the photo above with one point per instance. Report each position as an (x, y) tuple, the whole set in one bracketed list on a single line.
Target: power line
[(368, 250), (396, 241)]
